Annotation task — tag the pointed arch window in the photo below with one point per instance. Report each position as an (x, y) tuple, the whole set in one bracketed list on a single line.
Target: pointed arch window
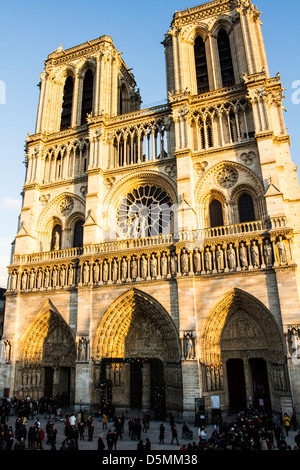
[(225, 59), (201, 66), (216, 213), (78, 234), (87, 95), (66, 114), (246, 208)]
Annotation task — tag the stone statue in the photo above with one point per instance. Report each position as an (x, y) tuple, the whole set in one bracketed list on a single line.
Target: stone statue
[(144, 267), (124, 269), (105, 271), (220, 259), (164, 264), (231, 257), (153, 266), (243, 256), (184, 262), (133, 268), (115, 270), (86, 273), (197, 261), (24, 280), (188, 346), (281, 251), (56, 241), (96, 271), (208, 260), (254, 255), (268, 253), (173, 264)]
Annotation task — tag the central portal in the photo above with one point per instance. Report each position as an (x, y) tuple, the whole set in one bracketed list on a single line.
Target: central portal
[(139, 349)]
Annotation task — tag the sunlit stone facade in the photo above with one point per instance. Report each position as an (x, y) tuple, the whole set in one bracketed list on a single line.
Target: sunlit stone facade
[(156, 257)]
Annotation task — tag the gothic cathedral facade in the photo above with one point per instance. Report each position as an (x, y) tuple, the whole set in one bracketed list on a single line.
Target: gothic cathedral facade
[(156, 258)]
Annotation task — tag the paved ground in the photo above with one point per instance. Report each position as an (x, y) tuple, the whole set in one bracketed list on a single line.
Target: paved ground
[(126, 443)]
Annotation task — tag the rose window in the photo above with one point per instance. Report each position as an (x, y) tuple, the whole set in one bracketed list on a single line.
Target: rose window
[(227, 177), (145, 212)]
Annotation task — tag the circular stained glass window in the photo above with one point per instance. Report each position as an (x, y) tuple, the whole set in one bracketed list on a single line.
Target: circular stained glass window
[(145, 212)]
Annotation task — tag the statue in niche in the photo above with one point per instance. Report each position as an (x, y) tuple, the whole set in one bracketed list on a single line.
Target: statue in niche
[(56, 241), (243, 256), (62, 276), (105, 271), (173, 263), (46, 278), (86, 272), (31, 279), (231, 257), (153, 266), (39, 279), (13, 285), (144, 267), (208, 259), (133, 268), (24, 280), (54, 277), (2, 351), (115, 270), (7, 350), (124, 269), (184, 262), (281, 251), (197, 261), (268, 253), (254, 255), (82, 349), (188, 346), (96, 271), (164, 264), (220, 259), (295, 343)]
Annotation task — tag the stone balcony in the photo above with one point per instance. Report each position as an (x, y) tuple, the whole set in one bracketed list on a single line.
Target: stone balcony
[(257, 245)]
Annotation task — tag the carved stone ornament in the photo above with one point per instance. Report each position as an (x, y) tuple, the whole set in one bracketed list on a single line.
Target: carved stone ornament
[(109, 182), (66, 206), (248, 158), (227, 177), (44, 199), (200, 167)]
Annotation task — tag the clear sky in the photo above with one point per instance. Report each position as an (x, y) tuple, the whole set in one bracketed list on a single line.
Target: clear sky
[(33, 29)]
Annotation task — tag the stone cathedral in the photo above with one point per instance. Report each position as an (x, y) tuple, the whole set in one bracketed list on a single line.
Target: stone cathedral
[(157, 251)]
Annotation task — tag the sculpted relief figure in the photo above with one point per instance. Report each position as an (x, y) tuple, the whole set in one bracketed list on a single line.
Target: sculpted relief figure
[(153, 266)]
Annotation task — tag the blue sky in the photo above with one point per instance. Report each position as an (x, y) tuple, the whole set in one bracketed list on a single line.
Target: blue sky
[(31, 30)]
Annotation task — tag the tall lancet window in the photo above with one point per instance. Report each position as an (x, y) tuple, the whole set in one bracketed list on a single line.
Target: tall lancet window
[(66, 114), (225, 59), (201, 66), (87, 95)]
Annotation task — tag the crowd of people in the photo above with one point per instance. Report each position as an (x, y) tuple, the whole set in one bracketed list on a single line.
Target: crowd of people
[(249, 430)]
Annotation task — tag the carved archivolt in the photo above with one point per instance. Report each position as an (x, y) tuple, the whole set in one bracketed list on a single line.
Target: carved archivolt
[(258, 318), (49, 340), (114, 337)]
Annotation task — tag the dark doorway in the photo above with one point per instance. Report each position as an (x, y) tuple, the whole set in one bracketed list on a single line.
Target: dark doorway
[(48, 381), (236, 385), (136, 385), (260, 384)]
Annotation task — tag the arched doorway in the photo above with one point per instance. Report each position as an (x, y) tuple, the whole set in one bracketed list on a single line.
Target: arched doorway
[(47, 365), (243, 354), (137, 349)]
